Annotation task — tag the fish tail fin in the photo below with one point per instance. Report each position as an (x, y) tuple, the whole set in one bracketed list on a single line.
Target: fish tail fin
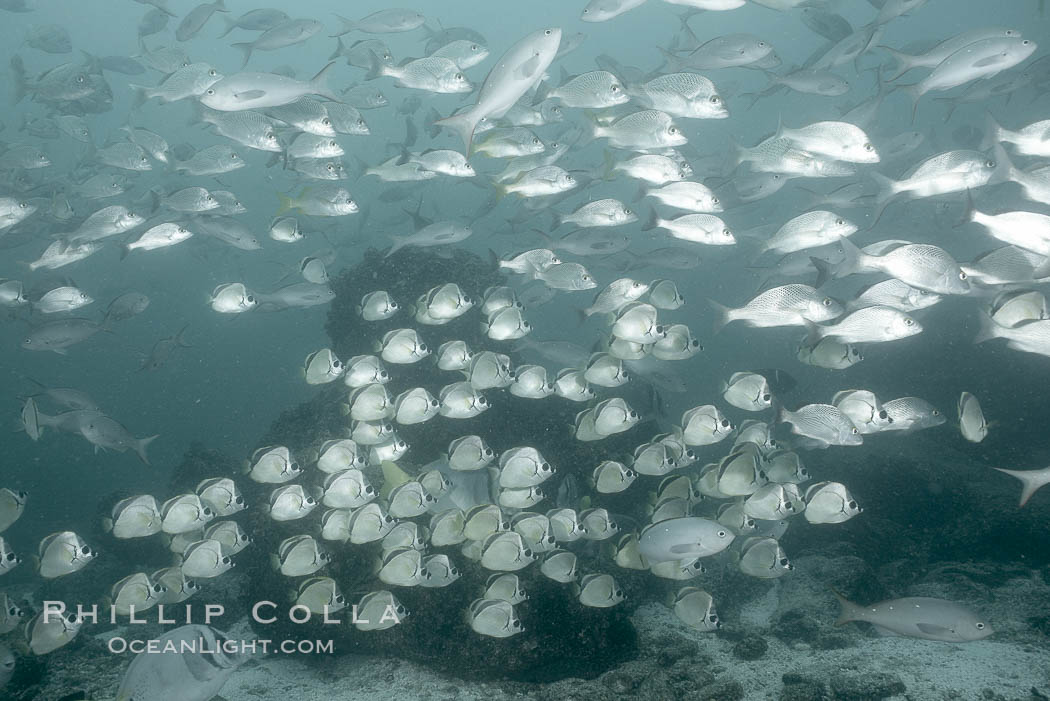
[(1043, 271), (752, 96), (340, 48), (592, 129), (847, 609), (19, 70), (671, 62), (543, 89), (141, 94), (734, 157), (320, 85), (814, 334), (1004, 168), (231, 24), (853, 261), (464, 125), (987, 329), (430, 120), (914, 92), (971, 210), (180, 338), (140, 448), (824, 272), (349, 25), (1030, 482), (653, 221), (285, 203), (608, 165), (245, 47), (902, 62), (887, 191), (399, 243), (723, 315), (992, 132), (375, 66)]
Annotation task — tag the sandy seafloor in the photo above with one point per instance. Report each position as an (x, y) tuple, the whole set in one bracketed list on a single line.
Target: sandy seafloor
[(1004, 667), (928, 670)]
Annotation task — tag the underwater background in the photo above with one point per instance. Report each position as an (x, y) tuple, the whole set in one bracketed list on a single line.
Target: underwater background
[(937, 520)]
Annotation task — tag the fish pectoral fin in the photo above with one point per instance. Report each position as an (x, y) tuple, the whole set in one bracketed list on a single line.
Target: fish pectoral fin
[(527, 67), (932, 629), (682, 549), (987, 61), (249, 94)]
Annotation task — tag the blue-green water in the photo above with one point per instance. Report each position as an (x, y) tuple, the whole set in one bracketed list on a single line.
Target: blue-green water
[(937, 520)]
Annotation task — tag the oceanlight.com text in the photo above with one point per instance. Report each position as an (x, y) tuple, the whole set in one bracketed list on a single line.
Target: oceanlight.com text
[(120, 646)]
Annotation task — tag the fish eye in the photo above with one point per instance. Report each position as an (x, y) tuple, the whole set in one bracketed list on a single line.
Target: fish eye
[(854, 431), (615, 88), (908, 322), (936, 413), (721, 534), (962, 276), (547, 32), (210, 91), (726, 232), (672, 130), (714, 200), (250, 299), (1025, 42), (980, 626), (840, 221), (989, 163), (826, 301), (85, 550), (783, 562), (766, 397), (725, 423), (852, 504)]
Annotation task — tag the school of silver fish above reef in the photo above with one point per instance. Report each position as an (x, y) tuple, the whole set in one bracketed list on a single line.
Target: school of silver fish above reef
[(480, 339)]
